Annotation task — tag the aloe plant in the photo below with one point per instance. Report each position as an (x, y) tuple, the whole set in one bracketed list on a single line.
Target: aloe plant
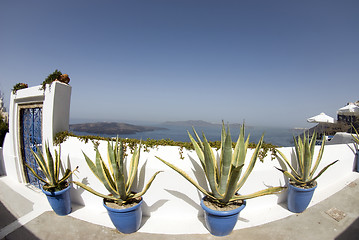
[(224, 177), (303, 175), (51, 170), (114, 176)]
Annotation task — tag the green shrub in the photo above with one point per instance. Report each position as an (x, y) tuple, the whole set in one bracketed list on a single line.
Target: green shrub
[(4, 128)]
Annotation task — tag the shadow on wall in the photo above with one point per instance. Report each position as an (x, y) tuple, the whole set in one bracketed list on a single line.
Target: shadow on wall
[(351, 232), (2, 164)]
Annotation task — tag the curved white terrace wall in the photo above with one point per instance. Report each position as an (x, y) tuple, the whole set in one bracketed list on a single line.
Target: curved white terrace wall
[(172, 203)]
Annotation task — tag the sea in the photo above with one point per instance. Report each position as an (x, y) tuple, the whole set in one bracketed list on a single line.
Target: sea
[(282, 137)]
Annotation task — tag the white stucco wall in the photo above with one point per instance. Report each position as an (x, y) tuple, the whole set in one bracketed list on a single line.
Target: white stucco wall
[(55, 101), (56, 110), (171, 196)]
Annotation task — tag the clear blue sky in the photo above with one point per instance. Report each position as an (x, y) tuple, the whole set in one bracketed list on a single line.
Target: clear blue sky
[(268, 62)]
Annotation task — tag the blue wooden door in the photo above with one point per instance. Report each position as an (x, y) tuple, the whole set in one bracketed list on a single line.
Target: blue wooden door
[(31, 139)]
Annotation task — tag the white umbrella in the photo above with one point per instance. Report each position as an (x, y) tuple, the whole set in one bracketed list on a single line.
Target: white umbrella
[(321, 118), (348, 109)]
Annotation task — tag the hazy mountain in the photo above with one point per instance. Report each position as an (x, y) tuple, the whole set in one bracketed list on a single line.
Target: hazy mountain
[(111, 128), (199, 123)]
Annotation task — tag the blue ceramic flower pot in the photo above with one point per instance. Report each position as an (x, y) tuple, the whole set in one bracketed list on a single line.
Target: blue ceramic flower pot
[(299, 198), (357, 160), (126, 220), (221, 223), (60, 201)]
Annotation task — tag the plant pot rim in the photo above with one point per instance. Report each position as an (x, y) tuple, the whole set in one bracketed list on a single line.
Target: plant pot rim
[(56, 192), (124, 209), (222, 213), (302, 189)]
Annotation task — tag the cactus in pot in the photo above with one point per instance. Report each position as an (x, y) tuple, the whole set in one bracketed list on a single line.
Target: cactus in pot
[(56, 189), (224, 178), (302, 180), (114, 179)]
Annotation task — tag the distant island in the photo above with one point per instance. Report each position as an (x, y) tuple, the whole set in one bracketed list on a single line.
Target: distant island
[(200, 123), (111, 128)]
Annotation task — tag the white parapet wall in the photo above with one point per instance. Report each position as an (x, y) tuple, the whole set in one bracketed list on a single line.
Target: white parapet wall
[(172, 203)]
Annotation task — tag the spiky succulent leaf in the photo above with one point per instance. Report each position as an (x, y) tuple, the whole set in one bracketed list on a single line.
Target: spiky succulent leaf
[(211, 168), (251, 164), (226, 162), (322, 171), (133, 168), (292, 177), (91, 165), (50, 166), (307, 160), (319, 158), (200, 143), (103, 174), (118, 178), (299, 145), (111, 157), (186, 176), (41, 162), (356, 136), (36, 175), (231, 187), (121, 157), (294, 172), (147, 186), (271, 190), (312, 147), (242, 148), (198, 149), (84, 186), (67, 174)]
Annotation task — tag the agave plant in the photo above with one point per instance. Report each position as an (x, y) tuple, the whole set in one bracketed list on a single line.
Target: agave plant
[(356, 136), (51, 170), (304, 149), (114, 176), (224, 177)]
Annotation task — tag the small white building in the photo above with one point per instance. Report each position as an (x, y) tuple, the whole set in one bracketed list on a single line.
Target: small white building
[(349, 113)]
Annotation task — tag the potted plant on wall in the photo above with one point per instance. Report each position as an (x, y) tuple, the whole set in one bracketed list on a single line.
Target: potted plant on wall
[(302, 181), (55, 76), (19, 86), (222, 204), (122, 204), (56, 189)]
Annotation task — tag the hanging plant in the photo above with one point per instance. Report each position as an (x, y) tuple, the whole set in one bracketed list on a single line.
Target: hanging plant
[(19, 86)]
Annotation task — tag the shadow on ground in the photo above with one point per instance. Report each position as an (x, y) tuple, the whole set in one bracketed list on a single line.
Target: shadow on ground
[(20, 233), (352, 232)]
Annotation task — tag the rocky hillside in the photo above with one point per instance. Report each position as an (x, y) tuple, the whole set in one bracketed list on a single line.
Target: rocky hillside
[(111, 128)]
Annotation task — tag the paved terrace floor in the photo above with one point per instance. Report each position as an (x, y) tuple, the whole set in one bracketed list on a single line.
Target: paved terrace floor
[(337, 217)]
